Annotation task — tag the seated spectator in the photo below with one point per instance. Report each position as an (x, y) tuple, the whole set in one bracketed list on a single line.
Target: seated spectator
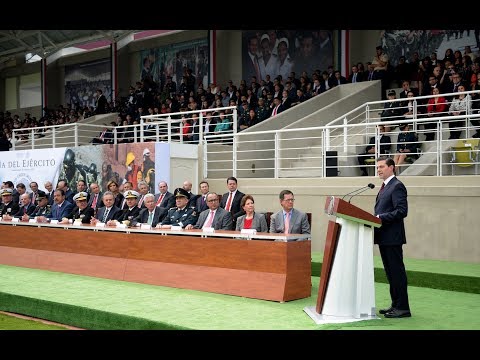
[(436, 106), (213, 217), (251, 219), (246, 122), (391, 110), (459, 106), (289, 220), (406, 145), (370, 150)]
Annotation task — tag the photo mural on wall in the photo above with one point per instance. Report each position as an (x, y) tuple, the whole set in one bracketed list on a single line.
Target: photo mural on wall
[(173, 60), (82, 81), (397, 43), (279, 52)]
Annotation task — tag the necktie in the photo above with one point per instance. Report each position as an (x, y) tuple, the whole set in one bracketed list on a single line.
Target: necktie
[(287, 222), (150, 218), (140, 202), (160, 198), (209, 221), (381, 188), (274, 111), (123, 203), (94, 202), (354, 78), (229, 202), (257, 69), (105, 215), (33, 198), (24, 209)]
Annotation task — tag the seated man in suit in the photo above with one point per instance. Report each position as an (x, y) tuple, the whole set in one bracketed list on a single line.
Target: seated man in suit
[(108, 212), (60, 208), (370, 150), (25, 209), (151, 214), (289, 220), (214, 217), (81, 211)]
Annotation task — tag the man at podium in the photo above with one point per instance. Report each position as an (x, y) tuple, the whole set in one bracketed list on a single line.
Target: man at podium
[(391, 207)]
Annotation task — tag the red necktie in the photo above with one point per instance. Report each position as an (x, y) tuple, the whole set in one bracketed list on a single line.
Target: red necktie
[(140, 202), (381, 188), (229, 202), (94, 202), (160, 198)]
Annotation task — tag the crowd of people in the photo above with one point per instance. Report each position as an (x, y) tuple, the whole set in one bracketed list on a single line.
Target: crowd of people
[(136, 206)]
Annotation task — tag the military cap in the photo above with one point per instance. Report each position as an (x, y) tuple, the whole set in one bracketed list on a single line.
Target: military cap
[(131, 194), (41, 195), (392, 93), (181, 192), (80, 196), (6, 192)]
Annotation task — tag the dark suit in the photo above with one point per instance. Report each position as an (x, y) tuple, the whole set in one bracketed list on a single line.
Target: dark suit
[(99, 201), (221, 221), (112, 214), (391, 207), (29, 209), (63, 211), (142, 218), (168, 200), (201, 203), (102, 103), (235, 208)]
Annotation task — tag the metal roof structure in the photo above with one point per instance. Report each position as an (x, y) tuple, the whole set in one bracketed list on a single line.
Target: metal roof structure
[(46, 42)]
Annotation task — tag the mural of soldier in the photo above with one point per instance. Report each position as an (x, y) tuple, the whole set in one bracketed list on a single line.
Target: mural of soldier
[(71, 171)]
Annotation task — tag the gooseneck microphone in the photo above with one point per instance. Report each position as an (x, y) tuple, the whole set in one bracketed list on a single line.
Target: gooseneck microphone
[(358, 191)]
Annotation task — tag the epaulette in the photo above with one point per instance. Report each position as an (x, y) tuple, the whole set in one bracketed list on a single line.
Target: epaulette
[(172, 208)]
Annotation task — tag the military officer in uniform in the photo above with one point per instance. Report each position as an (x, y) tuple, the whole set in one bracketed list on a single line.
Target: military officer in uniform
[(180, 215), (81, 211), (43, 207), (8, 205), (131, 210)]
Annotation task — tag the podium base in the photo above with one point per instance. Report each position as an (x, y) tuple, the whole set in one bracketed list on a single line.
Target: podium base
[(332, 319)]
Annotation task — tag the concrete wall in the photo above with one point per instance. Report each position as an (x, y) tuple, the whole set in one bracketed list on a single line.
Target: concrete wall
[(442, 222)]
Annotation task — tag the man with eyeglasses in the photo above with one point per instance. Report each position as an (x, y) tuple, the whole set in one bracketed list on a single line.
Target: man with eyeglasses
[(214, 217), (289, 220)]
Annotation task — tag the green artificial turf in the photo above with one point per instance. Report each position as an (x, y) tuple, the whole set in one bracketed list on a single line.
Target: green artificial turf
[(9, 322), (434, 274), (95, 303)]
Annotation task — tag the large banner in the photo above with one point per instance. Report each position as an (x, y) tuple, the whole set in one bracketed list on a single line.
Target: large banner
[(97, 163), (279, 52), (171, 60), (398, 43), (82, 81)]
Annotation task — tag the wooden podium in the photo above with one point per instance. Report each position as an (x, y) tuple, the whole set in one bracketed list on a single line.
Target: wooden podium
[(346, 292)]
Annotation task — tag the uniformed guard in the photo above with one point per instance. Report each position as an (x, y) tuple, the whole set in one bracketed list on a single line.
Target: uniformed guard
[(81, 211), (132, 209), (180, 215), (43, 208)]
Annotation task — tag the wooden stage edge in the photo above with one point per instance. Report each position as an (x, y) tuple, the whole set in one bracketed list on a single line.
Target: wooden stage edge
[(260, 269)]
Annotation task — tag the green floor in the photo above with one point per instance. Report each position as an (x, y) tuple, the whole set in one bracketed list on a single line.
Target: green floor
[(95, 303)]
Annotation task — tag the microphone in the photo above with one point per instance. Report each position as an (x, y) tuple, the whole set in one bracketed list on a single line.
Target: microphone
[(358, 191)]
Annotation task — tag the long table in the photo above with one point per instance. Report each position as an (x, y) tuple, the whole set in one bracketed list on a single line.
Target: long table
[(262, 266)]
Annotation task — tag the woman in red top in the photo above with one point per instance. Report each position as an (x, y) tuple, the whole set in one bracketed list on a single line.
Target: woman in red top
[(251, 219), (437, 106)]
